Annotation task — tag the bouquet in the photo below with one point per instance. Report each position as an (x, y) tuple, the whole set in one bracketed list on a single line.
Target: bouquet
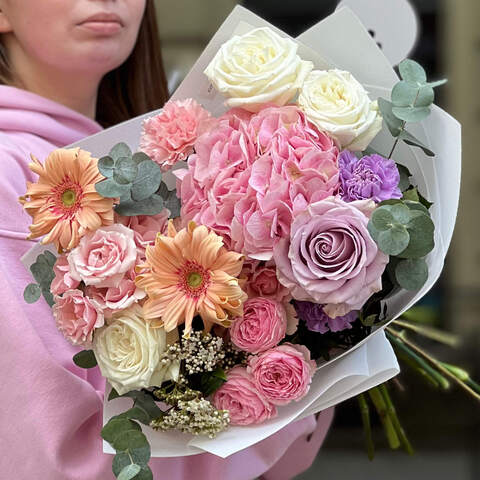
[(287, 240)]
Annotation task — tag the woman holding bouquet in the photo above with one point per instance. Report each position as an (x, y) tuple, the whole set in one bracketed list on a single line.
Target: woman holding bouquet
[(68, 68)]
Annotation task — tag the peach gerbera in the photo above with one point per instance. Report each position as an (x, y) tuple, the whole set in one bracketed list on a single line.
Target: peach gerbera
[(191, 273), (63, 203)]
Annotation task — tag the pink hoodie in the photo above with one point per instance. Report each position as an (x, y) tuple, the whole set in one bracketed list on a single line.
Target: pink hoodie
[(50, 409)]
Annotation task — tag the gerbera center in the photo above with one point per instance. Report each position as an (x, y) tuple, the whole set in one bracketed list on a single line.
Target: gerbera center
[(194, 279), (69, 197)]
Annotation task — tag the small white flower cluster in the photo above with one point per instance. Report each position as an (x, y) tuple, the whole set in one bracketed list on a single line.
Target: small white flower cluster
[(202, 352), (197, 417)]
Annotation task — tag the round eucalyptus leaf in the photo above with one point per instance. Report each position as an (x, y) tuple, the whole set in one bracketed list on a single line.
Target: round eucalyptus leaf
[(411, 194), (421, 229), (85, 359), (50, 258), (111, 189), (404, 94), (404, 177), (393, 123), (129, 472), (117, 425), (411, 274), (401, 213), (374, 233), (140, 157), (382, 219), (120, 150), (135, 443), (106, 165), (411, 114), (394, 240), (120, 461), (32, 293), (425, 96), (416, 206), (150, 206), (147, 180), (125, 170), (412, 71)]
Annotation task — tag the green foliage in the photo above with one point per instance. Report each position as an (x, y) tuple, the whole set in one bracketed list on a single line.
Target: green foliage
[(412, 273), (405, 175), (137, 181), (129, 472), (42, 271), (410, 101), (85, 359), (212, 381)]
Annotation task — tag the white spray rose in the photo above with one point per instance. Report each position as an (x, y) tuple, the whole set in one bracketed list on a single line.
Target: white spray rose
[(128, 351), (256, 68), (339, 105)]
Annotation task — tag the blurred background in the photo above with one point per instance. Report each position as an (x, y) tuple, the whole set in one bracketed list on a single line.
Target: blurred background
[(442, 35)]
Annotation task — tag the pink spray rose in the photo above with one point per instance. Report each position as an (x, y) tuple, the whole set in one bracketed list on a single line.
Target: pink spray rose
[(104, 256), (241, 398), (112, 299), (62, 281), (262, 326), (168, 137), (261, 281), (283, 373), (77, 317), (330, 257), (145, 228)]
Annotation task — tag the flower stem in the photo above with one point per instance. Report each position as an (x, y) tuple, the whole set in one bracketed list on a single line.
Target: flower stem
[(430, 332), (434, 362), (395, 420), (381, 408), (367, 428)]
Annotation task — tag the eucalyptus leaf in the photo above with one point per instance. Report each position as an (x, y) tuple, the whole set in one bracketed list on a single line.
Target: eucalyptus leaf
[(145, 474), (140, 157), (50, 258), (404, 94), (437, 83), (212, 381), (401, 213), (129, 472), (32, 293), (106, 166), (412, 71), (394, 240), (115, 426), (411, 274), (85, 359), (374, 233), (411, 114), (137, 413), (416, 206), (120, 461), (125, 171), (147, 180), (425, 96), (382, 219), (150, 206), (393, 123), (411, 194), (42, 273), (120, 150), (409, 139), (111, 189), (145, 401), (173, 204), (135, 443), (404, 177), (420, 229), (424, 201)]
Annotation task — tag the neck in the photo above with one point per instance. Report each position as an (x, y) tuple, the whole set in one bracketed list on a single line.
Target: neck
[(76, 91)]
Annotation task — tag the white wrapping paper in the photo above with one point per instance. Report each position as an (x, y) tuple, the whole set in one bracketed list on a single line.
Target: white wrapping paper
[(372, 361)]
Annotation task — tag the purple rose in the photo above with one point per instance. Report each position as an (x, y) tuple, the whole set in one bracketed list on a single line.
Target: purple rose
[(318, 321), (329, 256), (372, 177)]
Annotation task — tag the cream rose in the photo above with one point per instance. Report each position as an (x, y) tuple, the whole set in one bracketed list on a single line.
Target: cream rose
[(128, 352), (257, 68), (339, 105)]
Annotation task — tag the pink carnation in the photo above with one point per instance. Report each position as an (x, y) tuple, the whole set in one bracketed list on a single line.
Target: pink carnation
[(262, 326), (104, 256), (77, 317), (283, 373), (241, 398), (112, 299), (63, 280), (168, 137), (330, 258)]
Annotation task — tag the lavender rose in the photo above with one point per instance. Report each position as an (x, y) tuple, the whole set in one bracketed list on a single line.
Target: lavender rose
[(372, 177), (318, 321), (330, 258)]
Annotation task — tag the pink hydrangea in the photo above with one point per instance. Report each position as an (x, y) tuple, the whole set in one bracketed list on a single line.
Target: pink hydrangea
[(262, 326), (104, 256), (77, 317), (330, 258), (63, 280), (241, 398), (283, 373), (168, 137)]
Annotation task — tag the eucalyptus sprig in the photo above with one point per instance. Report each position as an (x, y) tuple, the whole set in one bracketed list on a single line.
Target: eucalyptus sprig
[(136, 181), (410, 101), (42, 271)]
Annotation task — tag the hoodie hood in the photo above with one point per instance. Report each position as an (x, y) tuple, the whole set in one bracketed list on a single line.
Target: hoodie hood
[(23, 112)]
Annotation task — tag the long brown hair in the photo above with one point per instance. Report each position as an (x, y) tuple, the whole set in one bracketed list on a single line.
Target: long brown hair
[(137, 86)]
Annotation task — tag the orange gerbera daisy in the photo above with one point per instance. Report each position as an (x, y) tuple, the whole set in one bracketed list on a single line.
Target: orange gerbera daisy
[(191, 273), (63, 203)]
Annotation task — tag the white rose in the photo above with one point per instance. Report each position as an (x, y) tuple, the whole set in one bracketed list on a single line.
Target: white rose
[(339, 105), (128, 352), (256, 68)]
